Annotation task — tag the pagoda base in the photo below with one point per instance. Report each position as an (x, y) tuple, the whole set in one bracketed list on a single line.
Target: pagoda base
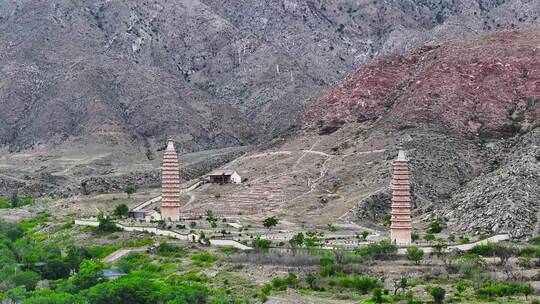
[(401, 237), (170, 214)]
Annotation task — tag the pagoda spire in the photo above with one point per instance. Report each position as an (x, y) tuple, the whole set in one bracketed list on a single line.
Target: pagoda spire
[(170, 185), (401, 228)]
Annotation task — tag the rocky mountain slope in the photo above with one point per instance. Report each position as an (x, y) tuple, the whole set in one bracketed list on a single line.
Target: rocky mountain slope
[(89, 91), (468, 114), (489, 85), (210, 73)]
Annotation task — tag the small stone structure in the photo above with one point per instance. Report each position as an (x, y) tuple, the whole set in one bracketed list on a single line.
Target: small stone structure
[(111, 274), (401, 227), (170, 185), (224, 177)]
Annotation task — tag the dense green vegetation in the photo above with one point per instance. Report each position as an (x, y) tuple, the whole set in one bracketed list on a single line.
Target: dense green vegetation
[(35, 272), (15, 201), (37, 269)]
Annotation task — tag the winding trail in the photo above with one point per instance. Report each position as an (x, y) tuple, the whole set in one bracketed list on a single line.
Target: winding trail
[(306, 152), (120, 253), (464, 247)]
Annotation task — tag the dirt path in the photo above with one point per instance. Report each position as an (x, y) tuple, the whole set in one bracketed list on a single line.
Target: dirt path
[(120, 253), (465, 247), (192, 198), (365, 152), (305, 153)]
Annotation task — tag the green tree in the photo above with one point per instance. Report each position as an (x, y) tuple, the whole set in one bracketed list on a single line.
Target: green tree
[(53, 297), (415, 254), (429, 237), (435, 227), (382, 250), (437, 293), (527, 290), (439, 247), (270, 222), (387, 219), (14, 200), (210, 217), (121, 210), (75, 255), (90, 274), (311, 280), (14, 233), (364, 234), (297, 240), (461, 286), (261, 244), (56, 269), (377, 295), (19, 277), (311, 241), (130, 190), (106, 225)]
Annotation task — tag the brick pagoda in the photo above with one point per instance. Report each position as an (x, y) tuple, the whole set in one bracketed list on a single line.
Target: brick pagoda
[(401, 227), (170, 185)]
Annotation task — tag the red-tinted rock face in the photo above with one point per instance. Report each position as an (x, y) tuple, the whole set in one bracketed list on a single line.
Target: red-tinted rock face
[(489, 85)]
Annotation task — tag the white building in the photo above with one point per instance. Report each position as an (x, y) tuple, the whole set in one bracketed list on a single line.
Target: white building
[(224, 177)]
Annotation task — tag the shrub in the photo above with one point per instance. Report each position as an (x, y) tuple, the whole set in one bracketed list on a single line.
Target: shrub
[(439, 248), (491, 289), (297, 240), (435, 227), (377, 295), (311, 241), (4, 204), (289, 281), (18, 277), (483, 249), (203, 259), (331, 228), (121, 210), (464, 240), (429, 237), (134, 261), (470, 265), (438, 294), (364, 234), (365, 284), (292, 280), (311, 280), (461, 286), (382, 250), (503, 252), (341, 28), (386, 219), (328, 267), (170, 250), (14, 200), (535, 240), (106, 225), (90, 273), (261, 244), (228, 250)]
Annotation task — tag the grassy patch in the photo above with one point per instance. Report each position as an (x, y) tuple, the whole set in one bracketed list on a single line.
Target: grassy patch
[(203, 259)]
